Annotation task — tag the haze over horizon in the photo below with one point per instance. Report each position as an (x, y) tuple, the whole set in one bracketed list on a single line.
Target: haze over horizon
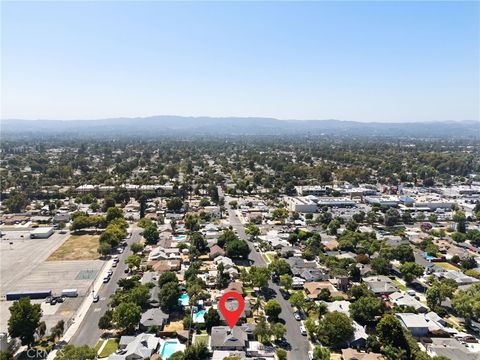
[(350, 61)]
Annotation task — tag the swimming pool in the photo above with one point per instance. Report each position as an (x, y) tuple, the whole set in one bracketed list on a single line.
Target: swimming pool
[(199, 317), (428, 257), (180, 237), (183, 299), (170, 347)]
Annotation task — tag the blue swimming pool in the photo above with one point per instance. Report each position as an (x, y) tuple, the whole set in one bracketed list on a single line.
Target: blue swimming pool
[(180, 237), (183, 299), (428, 257), (199, 317), (169, 347)]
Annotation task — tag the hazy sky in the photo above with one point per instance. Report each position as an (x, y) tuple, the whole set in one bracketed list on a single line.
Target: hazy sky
[(366, 61)]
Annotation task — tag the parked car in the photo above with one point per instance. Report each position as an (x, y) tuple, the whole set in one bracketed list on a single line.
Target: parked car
[(126, 271), (110, 272), (114, 264), (297, 316), (303, 331), (53, 301), (120, 250), (285, 294), (106, 279), (96, 298)]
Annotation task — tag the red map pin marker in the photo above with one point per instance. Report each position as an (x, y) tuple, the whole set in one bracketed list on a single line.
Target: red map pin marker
[(228, 307)]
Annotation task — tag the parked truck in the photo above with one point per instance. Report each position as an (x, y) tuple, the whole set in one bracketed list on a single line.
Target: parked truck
[(15, 295), (70, 292)]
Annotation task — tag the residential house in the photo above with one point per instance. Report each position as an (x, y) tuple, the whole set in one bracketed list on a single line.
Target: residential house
[(153, 317), (352, 354), (418, 324), (136, 347), (403, 299), (380, 285), (224, 338)]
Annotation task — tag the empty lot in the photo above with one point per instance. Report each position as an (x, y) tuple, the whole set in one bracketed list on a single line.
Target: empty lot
[(23, 267), (77, 247)]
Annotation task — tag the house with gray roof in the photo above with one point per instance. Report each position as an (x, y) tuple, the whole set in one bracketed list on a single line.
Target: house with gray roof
[(224, 338), (136, 347), (153, 317), (403, 299), (380, 285)]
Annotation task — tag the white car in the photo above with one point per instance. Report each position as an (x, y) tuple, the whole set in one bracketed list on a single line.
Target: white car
[(110, 272), (96, 298), (297, 316), (120, 250), (303, 331)]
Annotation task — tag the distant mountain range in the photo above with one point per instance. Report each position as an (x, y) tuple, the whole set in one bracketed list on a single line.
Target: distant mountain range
[(236, 126)]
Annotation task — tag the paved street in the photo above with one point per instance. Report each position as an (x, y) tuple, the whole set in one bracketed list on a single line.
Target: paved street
[(88, 333), (297, 341)]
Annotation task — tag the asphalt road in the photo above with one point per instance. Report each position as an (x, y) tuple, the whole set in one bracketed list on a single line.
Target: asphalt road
[(88, 333), (299, 343)]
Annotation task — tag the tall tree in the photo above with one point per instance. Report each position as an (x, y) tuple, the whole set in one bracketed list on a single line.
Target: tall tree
[(24, 320)]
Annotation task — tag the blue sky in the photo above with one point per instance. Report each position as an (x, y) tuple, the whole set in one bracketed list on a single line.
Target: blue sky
[(365, 61)]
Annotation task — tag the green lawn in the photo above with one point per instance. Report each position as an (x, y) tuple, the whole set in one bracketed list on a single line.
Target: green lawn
[(99, 344), (201, 338), (109, 348), (446, 266), (400, 285)]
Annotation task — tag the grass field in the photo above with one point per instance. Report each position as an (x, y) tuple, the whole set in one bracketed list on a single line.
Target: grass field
[(110, 347), (77, 247), (201, 338), (400, 285), (446, 266)]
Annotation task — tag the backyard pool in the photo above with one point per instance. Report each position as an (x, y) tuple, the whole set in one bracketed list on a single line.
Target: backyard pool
[(428, 257), (180, 237), (170, 347), (183, 299), (199, 317)]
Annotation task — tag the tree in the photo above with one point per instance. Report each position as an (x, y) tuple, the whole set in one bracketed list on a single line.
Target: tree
[(381, 266), (297, 300), (114, 213), (126, 316), (198, 242), (438, 292), (16, 202), (72, 352), (133, 261), (105, 322), (278, 331), (286, 281), (321, 353), (262, 331), (459, 218), (143, 205), (41, 329), (168, 296), (280, 214), (390, 332), (24, 320), (104, 248), (335, 328), (197, 351), (136, 247), (410, 271), (392, 217), (150, 233), (324, 295), (167, 277), (252, 230), (280, 267), (259, 276), (365, 309), (211, 319), (175, 204), (237, 249), (281, 354), (467, 303), (272, 309)]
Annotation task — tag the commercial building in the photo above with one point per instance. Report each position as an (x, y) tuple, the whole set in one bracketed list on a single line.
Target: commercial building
[(41, 232)]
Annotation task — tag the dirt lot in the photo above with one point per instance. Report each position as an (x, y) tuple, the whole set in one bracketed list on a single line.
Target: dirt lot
[(77, 247)]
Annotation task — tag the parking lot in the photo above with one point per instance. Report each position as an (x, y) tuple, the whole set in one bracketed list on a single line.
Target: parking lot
[(23, 267)]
